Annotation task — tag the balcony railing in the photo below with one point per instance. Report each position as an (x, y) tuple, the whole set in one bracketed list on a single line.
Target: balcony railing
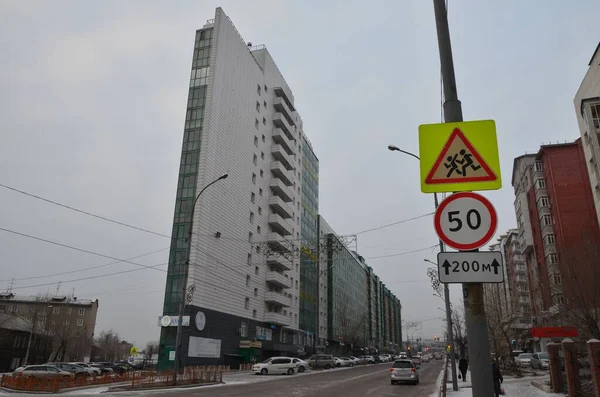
[(278, 298), (277, 318), (278, 279), (279, 206), (281, 172), (279, 224), (279, 188), (281, 106), (281, 122), (280, 154), (282, 139)]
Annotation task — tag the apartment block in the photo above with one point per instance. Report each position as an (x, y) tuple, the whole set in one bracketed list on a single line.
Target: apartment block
[(558, 229), (69, 323), (587, 109)]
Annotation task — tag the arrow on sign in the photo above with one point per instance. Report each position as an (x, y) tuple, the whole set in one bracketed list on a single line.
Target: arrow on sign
[(446, 267), (495, 265)]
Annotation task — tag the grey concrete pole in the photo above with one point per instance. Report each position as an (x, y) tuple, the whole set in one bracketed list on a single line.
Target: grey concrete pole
[(476, 322), (184, 284), (448, 317)]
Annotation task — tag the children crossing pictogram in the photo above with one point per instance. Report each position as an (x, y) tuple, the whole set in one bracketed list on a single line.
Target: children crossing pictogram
[(459, 161)]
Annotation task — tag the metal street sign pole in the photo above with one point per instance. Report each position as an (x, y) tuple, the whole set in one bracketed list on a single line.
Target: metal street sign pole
[(477, 330), (448, 318)]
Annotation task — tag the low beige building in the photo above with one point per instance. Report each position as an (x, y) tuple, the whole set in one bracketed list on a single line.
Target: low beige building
[(69, 321)]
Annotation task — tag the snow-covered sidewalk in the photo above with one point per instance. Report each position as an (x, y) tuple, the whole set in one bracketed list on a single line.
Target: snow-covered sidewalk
[(520, 387)]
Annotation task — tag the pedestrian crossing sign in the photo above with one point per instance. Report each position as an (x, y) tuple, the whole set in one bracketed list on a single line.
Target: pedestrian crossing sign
[(458, 157)]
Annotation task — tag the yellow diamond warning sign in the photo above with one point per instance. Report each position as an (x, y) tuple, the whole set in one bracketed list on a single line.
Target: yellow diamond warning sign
[(459, 157)]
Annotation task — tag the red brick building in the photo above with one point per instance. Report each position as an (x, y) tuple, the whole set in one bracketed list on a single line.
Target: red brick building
[(559, 228)]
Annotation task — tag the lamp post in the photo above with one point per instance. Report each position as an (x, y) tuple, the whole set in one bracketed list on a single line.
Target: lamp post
[(185, 278), (446, 289)]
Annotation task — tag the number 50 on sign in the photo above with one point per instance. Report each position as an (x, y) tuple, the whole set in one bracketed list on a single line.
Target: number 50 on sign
[(465, 221)]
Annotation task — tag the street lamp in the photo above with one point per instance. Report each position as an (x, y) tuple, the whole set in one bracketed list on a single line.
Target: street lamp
[(185, 278), (446, 289)]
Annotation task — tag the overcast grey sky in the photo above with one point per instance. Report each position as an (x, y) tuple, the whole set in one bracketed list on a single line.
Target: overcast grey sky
[(92, 106)]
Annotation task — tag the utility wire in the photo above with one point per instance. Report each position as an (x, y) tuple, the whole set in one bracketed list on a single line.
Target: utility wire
[(404, 253), (77, 249), (394, 223), (86, 269)]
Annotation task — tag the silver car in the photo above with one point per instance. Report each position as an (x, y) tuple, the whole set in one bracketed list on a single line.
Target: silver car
[(540, 360), (404, 371)]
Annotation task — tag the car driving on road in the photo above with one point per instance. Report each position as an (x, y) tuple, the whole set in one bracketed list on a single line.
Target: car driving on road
[(404, 371)]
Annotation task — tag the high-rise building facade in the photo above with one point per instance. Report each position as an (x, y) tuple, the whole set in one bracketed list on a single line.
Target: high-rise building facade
[(558, 230), (587, 109), (241, 120)]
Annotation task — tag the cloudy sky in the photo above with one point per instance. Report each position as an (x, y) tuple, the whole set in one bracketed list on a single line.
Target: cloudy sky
[(92, 105)]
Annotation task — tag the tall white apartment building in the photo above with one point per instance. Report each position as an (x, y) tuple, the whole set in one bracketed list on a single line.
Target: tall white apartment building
[(587, 109), (241, 120)]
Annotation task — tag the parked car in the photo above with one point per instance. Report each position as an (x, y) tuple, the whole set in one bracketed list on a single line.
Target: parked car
[(94, 371), (348, 362), (524, 360), (339, 362), (366, 360), (404, 371), (301, 364), (540, 360), (76, 370), (43, 372), (354, 360), (321, 361), (103, 369), (275, 365)]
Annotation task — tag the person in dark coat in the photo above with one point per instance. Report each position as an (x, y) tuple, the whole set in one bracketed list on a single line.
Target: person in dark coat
[(463, 366), (498, 379)]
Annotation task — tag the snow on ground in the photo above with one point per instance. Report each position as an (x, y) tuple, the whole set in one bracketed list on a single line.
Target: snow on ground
[(520, 387)]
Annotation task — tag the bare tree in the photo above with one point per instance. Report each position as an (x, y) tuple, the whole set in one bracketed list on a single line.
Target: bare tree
[(151, 349), (351, 328), (108, 343), (500, 323), (459, 327), (579, 279)]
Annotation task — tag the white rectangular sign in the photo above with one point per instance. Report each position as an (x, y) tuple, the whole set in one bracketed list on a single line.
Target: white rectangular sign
[(470, 267), (204, 347)]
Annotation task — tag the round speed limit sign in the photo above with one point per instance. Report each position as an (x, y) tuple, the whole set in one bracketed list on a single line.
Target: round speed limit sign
[(466, 221)]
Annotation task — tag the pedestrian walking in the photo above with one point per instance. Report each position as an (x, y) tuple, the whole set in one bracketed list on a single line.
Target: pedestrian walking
[(498, 379), (463, 366)]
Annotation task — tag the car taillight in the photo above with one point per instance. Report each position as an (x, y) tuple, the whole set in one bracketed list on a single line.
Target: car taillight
[(413, 370), (391, 369)]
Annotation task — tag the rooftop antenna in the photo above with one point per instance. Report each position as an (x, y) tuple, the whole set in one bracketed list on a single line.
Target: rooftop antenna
[(57, 288), (10, 286)]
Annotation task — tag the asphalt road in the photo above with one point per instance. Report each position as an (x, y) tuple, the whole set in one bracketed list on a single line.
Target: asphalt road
[(361, 381)]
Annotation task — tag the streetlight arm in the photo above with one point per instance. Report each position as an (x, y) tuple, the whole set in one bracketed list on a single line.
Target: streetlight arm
[(397, 149)]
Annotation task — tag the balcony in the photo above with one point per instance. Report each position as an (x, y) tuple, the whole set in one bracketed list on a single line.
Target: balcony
[(281, 138), (278, 279), (281, 172), (277, 298), (279, 188), (279, 262), (281, 155), (280, 225), (281, 122), (277, 318), (281, 106), (280, 207)]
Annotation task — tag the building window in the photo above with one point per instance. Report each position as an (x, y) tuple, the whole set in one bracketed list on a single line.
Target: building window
[(264, 121), (560, 299), (544, 201), (256, 123), (81, 312), (265, 104), (540, 183), (254, 178), (252, 197), (247, 303), (56, 310), (261, 173), (31, 309), (249, 237), (255, 141), (256, 270), (557, 278), (247, 280), (258, 89), (266, 89), (260, 192), (67, 322), (244, 329), (550, 239), (257, 106), (255, 159), (258, 230), (259, 211), (595, 110), (263, 138), (262, 156), (553, 259), (14, 308), (251, 217), (546, 220), (296, 284), (253, 313), (249, 259), (80, 322), (69, 311), (255, 291), (537, 165)]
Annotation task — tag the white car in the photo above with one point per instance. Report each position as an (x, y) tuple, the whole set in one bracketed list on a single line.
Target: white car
[(93, 371), (302, 365), (354, 360), (348, 362), (276, 365), (339, 362), (524, 360)]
